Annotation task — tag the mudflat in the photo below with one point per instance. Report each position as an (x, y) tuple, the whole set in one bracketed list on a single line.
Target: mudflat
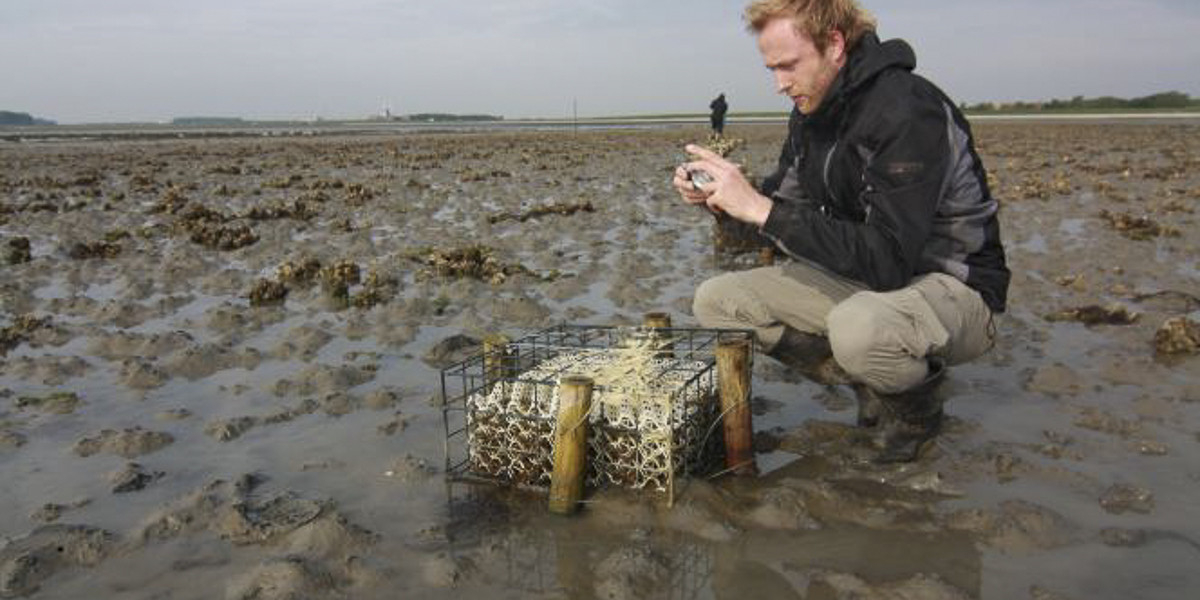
[(219, 376)]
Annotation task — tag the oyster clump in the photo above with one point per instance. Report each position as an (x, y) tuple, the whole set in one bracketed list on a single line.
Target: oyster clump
[(1179, 335), (268, 292)]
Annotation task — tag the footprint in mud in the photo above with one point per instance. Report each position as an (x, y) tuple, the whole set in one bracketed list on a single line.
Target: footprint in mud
[(284, 578), (11, 440), (303, 342), (824, 583), (132, 477), (257, 521), (124, 345), (236, 513), (323, 380), (1016, 526), (51, 511), (141, 374), (27, 562), (48, 370), (58, 403), (1121, 498), (128, 443), (198, 362), (318, 545)]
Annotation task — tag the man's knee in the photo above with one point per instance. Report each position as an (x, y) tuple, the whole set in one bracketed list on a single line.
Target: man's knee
[(713, 300), (855, 325), (871, 341)]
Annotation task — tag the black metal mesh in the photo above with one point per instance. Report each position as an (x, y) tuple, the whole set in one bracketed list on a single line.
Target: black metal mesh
[(499, 409)]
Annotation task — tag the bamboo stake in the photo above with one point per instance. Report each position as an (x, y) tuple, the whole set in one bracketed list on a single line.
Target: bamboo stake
[(733, 373), (660, 320), (495, 353), (570, 444)]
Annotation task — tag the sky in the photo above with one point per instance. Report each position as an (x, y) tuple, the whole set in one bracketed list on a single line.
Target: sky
[(89, 61)]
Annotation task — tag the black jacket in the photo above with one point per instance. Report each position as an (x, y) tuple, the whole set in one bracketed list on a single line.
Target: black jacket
[(882, 182)]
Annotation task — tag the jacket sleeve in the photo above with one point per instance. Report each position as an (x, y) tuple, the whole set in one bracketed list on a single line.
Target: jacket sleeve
[(903, 168)]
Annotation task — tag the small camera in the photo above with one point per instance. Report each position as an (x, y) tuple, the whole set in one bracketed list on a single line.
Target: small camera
[(699, 178)]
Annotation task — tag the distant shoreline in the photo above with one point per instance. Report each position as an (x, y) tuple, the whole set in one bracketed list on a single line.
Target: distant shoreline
[(163, 131)]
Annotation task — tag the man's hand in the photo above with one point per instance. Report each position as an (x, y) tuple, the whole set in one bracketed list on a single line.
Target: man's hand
[(728, 192), (687, 188)]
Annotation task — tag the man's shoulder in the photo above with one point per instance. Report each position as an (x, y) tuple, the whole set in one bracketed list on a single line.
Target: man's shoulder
[(897, 95), (899, 85)]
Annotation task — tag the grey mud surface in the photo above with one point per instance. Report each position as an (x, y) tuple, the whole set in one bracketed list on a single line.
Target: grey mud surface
[(160, 437)]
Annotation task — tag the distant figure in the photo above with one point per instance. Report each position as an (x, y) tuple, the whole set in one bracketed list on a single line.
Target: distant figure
[(718, 107)]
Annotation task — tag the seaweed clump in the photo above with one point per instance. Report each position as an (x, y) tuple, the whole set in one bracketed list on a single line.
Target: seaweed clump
[(203, 225), (267, 292), (476, 261), (1094, 314), (221, 237), (722, 145), (1179, 335), (336, 281), (300, 210), (1137, 228), (377, 288), (302, 273), (337, 278)]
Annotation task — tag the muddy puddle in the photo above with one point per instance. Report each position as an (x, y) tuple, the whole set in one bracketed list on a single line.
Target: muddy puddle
[(167, 432)]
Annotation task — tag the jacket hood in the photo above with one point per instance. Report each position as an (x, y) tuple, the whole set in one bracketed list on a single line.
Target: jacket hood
[(865, 61)]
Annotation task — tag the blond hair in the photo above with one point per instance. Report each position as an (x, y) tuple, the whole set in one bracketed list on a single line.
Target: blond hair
[(814, 18)]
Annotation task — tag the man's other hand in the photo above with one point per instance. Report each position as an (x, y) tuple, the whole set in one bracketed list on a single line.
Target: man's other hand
[(728, 192)]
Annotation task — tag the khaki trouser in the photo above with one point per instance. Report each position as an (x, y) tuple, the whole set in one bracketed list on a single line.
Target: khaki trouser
[(881, 339)]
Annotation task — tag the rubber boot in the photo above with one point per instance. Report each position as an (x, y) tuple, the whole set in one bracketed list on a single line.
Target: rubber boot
[(809, 354), (909, 420), (868, 406)]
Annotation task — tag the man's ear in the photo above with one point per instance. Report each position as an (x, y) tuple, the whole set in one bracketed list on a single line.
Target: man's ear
[(835, 48)]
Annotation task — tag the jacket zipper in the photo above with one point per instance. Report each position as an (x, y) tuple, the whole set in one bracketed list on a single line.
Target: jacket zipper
[(825, 176)]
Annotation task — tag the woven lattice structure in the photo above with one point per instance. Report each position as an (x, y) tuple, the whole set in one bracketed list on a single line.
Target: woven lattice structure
[(654, 414)]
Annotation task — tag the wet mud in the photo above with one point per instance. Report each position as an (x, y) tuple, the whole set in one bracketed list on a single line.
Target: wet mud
[(219, 376)]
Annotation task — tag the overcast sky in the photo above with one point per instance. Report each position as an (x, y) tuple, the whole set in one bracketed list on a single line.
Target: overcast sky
[(148, 60)]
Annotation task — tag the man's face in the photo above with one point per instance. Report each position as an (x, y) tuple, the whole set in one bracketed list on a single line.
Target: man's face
[(801, 71)]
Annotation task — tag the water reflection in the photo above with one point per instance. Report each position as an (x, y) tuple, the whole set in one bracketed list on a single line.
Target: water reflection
[(516, 546)]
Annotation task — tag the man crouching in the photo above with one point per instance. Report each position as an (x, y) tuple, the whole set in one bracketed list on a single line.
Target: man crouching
[(882, 205)]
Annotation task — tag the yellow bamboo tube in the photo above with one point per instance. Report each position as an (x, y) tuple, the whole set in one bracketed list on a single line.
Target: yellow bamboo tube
[(570, 444), (733, 374)]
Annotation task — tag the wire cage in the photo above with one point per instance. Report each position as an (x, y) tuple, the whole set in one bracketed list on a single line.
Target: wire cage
[(655, 410)]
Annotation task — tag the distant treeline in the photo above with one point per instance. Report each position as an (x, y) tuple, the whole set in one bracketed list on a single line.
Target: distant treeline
[(1160, 101), (207, 121), (19, 118), (440, 117)]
